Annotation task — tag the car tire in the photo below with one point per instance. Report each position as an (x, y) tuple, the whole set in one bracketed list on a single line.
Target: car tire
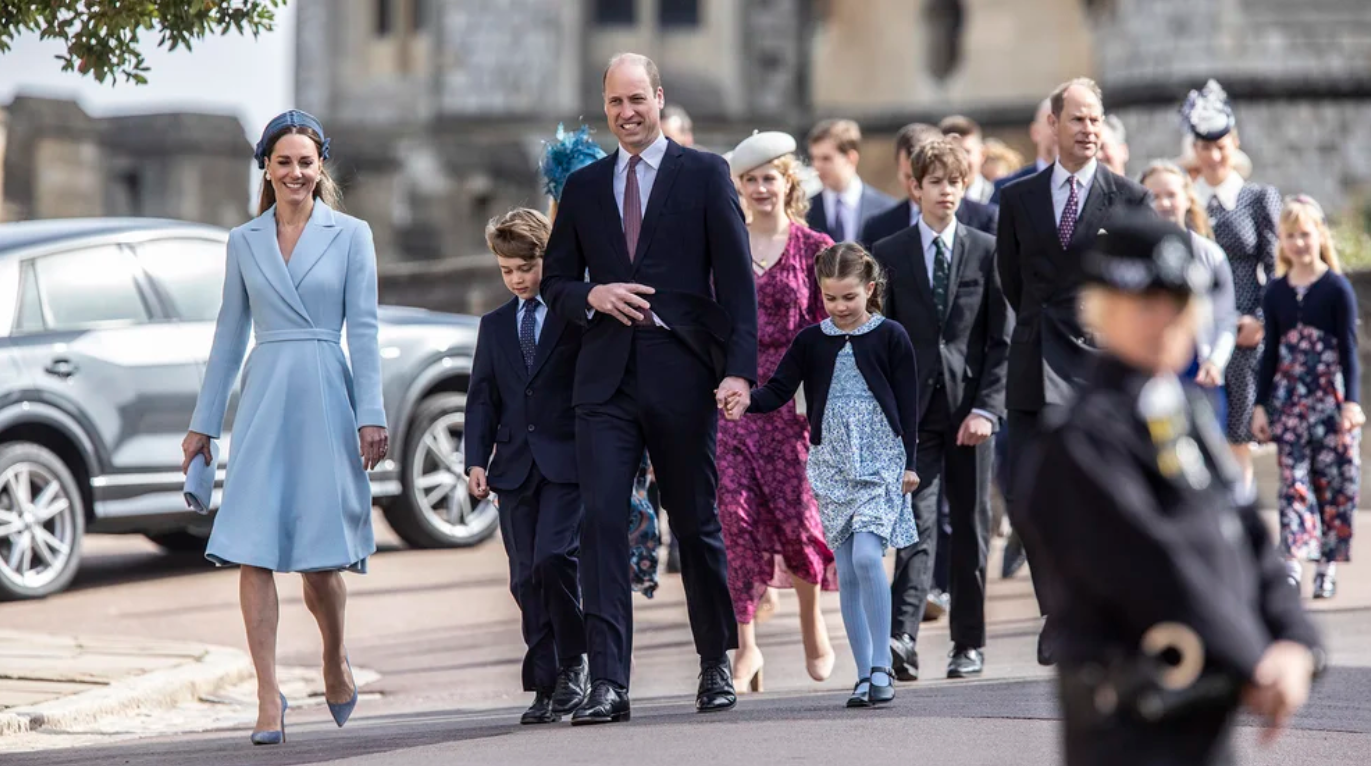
[(182, 541), (42, 522), (435, 510)]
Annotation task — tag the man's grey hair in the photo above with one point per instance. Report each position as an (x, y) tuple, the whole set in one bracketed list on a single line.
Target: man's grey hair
[(654, 76)]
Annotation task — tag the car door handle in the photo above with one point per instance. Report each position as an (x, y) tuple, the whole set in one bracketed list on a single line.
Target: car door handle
[(62, 368)]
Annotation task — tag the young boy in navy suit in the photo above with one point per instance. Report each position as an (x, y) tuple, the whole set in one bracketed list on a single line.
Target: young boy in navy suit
[(943, 287), (519, 407)]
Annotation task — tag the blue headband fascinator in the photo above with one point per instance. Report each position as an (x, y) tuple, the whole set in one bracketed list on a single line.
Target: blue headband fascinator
[(293, 118), (567, 154), (1207, 112)]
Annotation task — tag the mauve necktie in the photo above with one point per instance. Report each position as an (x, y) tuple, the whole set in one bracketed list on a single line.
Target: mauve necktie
[(1069, 213), (633, 207)]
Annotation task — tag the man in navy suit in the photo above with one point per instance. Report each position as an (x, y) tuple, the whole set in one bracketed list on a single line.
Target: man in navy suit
[(671, 331), (846, 203), (1048, 222), (1044, 139), (906, 214), (519, 406)]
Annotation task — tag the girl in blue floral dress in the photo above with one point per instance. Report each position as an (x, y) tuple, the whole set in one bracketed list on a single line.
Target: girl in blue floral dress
[(860, 382), (1307, 394)]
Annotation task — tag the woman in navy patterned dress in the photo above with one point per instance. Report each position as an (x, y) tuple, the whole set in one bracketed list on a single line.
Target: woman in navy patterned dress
[(1307, 395), (1244, 217)]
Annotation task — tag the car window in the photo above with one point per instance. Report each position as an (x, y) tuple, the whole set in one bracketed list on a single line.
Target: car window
[(89, 287), (30, 307), (191, 273)]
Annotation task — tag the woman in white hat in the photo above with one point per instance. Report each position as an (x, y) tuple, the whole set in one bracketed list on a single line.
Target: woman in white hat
[(770, 519)]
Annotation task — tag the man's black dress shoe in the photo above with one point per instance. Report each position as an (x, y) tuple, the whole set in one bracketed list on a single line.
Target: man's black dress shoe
[(966, 662), (571, 687), (1014, 556), (716, 692), (904, 657), (860, 697), (606, 703), (880, 695), (540, 711)]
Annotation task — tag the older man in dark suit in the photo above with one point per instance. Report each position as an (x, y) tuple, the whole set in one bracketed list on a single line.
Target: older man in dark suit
[(1048, 222), (672, 332)]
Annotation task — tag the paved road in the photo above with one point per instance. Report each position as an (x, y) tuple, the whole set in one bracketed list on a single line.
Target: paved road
[(440, 628)]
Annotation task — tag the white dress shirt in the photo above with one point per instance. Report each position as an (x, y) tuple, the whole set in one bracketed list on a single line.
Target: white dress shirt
[(851, 199), (1085, 178), (980, 190), (949, 238), (1227, 192), (647, 169), (539, 314)]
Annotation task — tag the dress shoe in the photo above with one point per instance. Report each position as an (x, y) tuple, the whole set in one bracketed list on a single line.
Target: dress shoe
[(965, 662), (715, 694), (880, 694), (1047, 645), (936, 605), (904, 657), (540, 711), (861, 694), (342, 711), (606, 703), (277, 736), (570, 691), (1325, 586), (1014, 556)]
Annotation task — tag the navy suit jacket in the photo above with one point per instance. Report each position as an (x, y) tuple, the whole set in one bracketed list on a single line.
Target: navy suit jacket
[(873, 203), (1027, 171), (693, 249), (978, 216), (526, 418)]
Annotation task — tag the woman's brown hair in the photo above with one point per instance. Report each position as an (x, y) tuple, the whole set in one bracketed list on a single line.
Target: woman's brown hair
[(1196, 218), (846, 260), (325, 190)]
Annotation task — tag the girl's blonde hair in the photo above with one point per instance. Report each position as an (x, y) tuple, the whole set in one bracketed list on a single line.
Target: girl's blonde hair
[(1302, 208), (1196, 218), (846, 260), (796, 201)]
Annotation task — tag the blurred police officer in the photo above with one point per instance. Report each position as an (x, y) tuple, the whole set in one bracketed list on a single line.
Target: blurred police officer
[(1175, 609)]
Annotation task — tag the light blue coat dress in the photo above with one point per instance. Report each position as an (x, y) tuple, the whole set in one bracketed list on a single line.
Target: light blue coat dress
[(296, 498)]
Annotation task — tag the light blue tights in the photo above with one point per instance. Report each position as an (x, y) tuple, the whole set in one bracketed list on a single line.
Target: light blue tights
[(864, 593)]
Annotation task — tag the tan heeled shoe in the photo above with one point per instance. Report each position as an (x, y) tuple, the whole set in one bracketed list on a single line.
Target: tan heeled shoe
[(749, 679), (821, 667)]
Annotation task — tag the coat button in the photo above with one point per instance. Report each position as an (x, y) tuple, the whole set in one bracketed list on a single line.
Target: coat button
[(530, 427), (529, 392)]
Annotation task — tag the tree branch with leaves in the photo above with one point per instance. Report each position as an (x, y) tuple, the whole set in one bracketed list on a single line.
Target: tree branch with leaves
[(103, 38)]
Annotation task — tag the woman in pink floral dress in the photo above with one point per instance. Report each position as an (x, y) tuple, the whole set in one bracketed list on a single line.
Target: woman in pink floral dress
[(770, 519)]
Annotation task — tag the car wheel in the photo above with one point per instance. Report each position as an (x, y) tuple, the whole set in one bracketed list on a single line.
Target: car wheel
[(436, 510), (42, 520), (180, 541)]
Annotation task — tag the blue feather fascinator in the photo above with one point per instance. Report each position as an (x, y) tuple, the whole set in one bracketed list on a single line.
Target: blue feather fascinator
[(565, 155)]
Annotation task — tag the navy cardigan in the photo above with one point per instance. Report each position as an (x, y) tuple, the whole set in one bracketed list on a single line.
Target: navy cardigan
[(884, 356), (1329, 305)]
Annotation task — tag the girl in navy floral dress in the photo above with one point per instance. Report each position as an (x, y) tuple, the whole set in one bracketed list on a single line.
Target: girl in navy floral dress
[(1307, 394)]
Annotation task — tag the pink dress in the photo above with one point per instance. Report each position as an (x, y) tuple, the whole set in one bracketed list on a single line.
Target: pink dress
[(770, 519)]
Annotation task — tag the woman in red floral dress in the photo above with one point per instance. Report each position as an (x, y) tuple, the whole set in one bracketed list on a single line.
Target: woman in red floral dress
[(770, 520)]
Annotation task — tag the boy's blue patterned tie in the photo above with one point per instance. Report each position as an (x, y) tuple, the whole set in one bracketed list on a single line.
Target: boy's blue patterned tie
[(527, 343)]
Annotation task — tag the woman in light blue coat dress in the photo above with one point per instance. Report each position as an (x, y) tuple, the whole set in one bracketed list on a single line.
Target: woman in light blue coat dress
[(308, 424)]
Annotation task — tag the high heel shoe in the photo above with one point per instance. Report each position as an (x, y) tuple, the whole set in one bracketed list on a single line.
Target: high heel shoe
[(342, 711), (820, 668), (753, 680), (273, 737)]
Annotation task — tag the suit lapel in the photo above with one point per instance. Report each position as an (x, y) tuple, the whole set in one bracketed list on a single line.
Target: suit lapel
[(1097, 204), (819, 220), (261, 238), (661, 189), (507, 337), (954, 273), (609, 207), (319, 233), (914, 239), (552, 332), (1042, 211)]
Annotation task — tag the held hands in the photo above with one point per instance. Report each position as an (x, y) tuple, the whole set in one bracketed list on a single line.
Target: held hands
[(1249, 332), (620, 300), (1352, 416), (1280, 685), (1209, 375), (193, 445), (375, 443), (733, 397), (976, 429), (910, 483), (1261, 427), (476, 482)]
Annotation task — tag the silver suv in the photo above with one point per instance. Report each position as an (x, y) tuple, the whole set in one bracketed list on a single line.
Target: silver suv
[(105, 328)]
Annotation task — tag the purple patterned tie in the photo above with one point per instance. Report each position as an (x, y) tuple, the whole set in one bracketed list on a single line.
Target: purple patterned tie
[(1068, 225), (633, 207)]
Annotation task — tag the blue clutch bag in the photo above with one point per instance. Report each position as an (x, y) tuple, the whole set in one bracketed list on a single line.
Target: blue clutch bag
[(199, 489)]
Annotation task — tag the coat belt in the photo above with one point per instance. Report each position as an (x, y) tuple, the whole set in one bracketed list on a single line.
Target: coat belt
[(283, 336)]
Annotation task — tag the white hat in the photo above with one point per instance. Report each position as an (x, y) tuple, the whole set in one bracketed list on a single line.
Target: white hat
[(758, 149)]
